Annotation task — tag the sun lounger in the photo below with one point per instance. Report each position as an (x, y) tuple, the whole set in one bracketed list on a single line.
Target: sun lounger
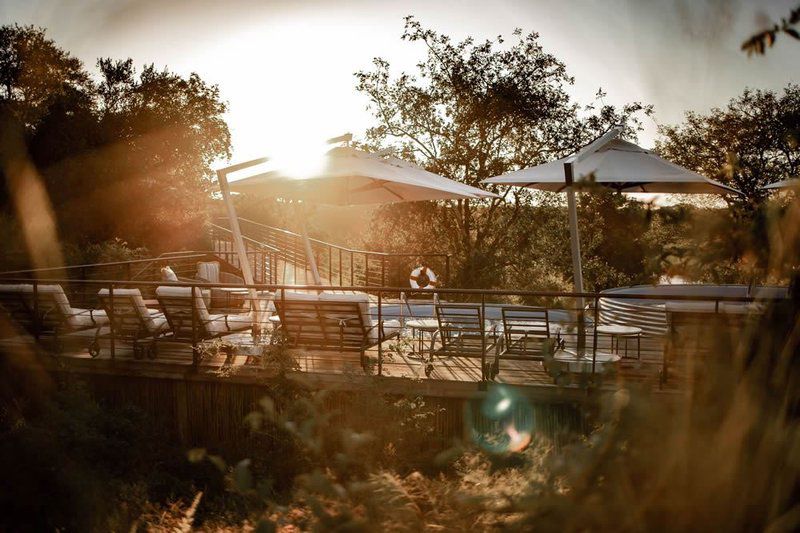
[(46, 308), (463, 332), (192, 321), (131, 320), (211, 272), (332, 322), (525, 330)]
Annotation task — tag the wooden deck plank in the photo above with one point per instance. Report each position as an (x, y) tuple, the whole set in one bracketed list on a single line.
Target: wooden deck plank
[(450, 376)]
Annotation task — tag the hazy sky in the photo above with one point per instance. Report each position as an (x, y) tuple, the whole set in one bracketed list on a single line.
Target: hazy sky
[(286, 67)]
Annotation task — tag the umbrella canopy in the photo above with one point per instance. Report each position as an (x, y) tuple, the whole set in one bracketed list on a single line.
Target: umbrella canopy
[(610, 162), (619, 165), (353, 177), (791, 183), (348, 177)]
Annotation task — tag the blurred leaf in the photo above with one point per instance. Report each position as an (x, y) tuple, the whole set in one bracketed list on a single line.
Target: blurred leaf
[(242, 477), (268, 407), (265, 526), (254, 420), (195, 455), (219, 462)]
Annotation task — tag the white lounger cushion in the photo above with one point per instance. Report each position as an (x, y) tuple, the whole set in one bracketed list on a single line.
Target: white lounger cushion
[(153, 319), (362, 299), (215, 324), (209, 271), (389, 327), (16, 288), (75, 317), (201, 297), (87, 318), (295, 295), (218, 324)]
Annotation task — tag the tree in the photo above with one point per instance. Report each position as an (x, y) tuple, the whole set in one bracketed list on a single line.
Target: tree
[(752, 142), (472, 111), (127, 156), (34, 72)]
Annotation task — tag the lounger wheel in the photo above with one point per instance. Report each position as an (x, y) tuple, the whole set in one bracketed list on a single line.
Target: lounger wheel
[(152, 351), (94, 349), (492, 370), (428, 370), (138, 351)]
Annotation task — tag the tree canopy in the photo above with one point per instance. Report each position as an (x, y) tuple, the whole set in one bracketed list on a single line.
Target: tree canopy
[(121, 152), (753, 141), (471, 111)]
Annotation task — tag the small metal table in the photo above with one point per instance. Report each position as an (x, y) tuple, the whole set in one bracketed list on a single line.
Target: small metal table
[(421, 326), (617, 332), (583, 365)]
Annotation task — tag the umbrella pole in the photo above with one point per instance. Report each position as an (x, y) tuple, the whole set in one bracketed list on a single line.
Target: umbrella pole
[(312, 262), (238, 242), (575, 244)]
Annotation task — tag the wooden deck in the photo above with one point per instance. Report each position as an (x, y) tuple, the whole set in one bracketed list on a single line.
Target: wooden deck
[(398, 372)]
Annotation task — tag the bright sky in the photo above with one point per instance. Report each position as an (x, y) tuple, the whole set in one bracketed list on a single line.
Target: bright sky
[(286, 68)]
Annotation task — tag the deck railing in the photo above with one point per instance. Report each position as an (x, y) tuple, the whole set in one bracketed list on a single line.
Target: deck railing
[(183, 263), (338, 265), (644, 357)]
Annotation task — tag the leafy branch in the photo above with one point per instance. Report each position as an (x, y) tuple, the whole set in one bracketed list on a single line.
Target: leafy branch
[(758, 43)]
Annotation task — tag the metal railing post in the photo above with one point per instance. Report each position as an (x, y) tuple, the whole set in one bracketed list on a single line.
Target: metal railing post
[(482, 319), (330, 265), (194, 327), (380, 330), (594, 334), (37, 323), (112, 336)]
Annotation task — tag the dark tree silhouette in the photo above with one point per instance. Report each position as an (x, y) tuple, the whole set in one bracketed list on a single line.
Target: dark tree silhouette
[(125, 156)]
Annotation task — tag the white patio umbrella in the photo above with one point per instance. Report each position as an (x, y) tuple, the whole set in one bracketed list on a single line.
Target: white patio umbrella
[(347, 176), (790, 183), (610, 162)]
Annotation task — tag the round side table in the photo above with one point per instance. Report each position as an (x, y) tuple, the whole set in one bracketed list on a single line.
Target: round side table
[(419, 327), (617, 332)]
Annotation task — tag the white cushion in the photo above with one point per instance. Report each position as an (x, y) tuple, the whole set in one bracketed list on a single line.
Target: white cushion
[(218, 324), (86, 318), (295, 295), (361, 298), (56, 292), (16, 288), (167, 274), (167, 291), (209, 271), (389, 327), (132, 297)]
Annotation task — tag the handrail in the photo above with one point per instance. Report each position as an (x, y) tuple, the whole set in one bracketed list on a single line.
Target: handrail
[(335, 246), (246, 238), (193, 254), (443, 290)]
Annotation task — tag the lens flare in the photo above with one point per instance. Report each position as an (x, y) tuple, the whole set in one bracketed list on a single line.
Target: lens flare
[(503, 422)]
